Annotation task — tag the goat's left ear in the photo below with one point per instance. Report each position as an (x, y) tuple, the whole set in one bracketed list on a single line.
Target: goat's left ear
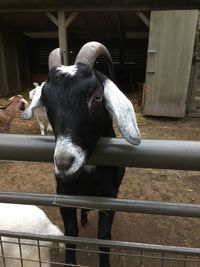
[(121, 109), (36, 102)]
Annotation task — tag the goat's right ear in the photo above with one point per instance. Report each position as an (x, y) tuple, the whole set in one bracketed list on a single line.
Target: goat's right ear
[(27, 114), (121, 109)]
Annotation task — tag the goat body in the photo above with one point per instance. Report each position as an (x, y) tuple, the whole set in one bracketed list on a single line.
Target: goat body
[(8, 112), (80, 104), (25, 219), (40, 114)]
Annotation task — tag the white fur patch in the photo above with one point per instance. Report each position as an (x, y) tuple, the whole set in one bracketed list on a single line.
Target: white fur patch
[(31, 93), (64, 150), (68, 70), (36, 102), (120, 107), (25, 219)]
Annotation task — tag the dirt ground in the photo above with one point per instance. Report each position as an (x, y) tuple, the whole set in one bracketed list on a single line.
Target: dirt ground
[(143, 184)]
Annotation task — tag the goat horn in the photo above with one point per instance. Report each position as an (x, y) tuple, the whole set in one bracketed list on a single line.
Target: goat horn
[(55, 58), (93, 50)]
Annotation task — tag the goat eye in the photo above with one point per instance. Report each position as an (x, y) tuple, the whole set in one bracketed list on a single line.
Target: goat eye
[(95, 102), (98, 98)]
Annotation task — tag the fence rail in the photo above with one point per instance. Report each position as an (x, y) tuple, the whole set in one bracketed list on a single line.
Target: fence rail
[(106, 243), (160, 154), (103, 203), (138, 253)]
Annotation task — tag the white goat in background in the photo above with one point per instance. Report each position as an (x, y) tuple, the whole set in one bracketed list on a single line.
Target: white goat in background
[(25, 219), (40, 114)]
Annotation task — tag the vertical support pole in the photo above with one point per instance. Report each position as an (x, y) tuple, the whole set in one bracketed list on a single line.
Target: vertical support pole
[(62, 36)]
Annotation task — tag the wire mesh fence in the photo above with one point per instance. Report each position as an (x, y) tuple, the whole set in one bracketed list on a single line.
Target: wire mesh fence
[(32, 250)]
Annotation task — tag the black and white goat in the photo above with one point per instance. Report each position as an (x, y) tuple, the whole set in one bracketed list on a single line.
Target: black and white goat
[(80, 104)]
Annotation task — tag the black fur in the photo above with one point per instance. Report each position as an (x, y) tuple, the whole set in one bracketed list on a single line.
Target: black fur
[(67, 99)]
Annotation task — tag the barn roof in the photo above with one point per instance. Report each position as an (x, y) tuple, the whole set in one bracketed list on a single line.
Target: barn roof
[(79, 5), (97, 25)]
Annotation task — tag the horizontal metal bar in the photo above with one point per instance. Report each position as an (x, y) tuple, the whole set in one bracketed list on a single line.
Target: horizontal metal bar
[(102, 203), (95, 5), (160, 154), (107, 243)]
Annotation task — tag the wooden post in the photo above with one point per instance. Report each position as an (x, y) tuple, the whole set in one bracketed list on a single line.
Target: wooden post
[(62, 25), (62, 36)]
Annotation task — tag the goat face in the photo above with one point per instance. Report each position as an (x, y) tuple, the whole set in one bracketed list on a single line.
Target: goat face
[(80, 103), (73, 98), (18, 99)]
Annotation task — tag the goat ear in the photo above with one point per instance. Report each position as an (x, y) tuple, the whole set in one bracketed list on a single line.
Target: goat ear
[(36, 102), (35, 85), (121, 109)]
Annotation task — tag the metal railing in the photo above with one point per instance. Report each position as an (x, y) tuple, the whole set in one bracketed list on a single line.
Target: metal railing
[(150, 154), (159, 154), (120, 250)]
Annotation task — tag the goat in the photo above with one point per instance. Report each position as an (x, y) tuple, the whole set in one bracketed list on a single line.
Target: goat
[(40, 114), (80, 104), (25, 219), (8, 112)]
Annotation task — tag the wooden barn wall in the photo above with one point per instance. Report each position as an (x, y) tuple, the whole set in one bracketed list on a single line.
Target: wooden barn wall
[(3, 77), (23, 60), (169, 60), (193, 100), (13, 63)]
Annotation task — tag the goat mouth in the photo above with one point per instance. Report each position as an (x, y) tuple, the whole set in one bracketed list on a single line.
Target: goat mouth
[(68, 158), (66, 178), (69, 173)]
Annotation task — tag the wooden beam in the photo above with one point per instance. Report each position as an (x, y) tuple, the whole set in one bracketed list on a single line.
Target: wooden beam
[(62, 36), (39, 35), (62, 23), (52, 18), (142, 16), (94, 5), (71, 17)]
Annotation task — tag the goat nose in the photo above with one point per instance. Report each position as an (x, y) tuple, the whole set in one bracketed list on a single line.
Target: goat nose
[(64, 163)]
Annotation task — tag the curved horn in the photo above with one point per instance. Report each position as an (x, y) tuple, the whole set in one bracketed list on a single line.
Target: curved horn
[(55, 58), (93, 50)]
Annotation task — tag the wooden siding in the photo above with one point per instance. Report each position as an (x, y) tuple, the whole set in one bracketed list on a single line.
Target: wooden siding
[(3, 77), (169, 59), (14, 68), (194, 90)]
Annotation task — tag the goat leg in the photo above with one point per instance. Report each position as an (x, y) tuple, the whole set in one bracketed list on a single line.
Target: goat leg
[(84, 218), (69, 217), (104, 232)]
